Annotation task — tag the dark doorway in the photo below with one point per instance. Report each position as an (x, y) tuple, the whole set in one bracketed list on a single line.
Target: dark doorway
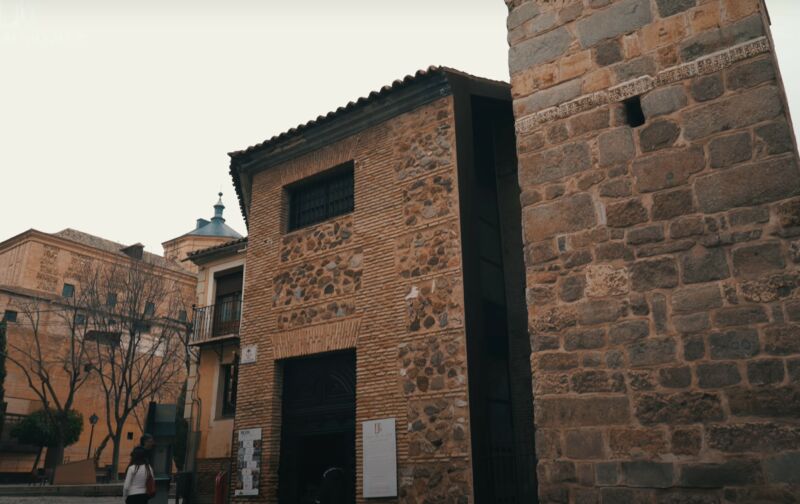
[(498, 346), (318, 425)]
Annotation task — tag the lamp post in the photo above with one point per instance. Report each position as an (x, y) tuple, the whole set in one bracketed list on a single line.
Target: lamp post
[(92, 420)]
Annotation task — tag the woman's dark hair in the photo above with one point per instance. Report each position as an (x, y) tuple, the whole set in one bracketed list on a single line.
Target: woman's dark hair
[(138, 456)]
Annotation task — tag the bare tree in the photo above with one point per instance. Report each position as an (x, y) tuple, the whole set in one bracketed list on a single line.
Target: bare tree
[(50, 351), (137, 315)]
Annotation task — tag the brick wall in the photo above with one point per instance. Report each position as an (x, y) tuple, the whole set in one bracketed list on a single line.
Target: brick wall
[(662, 278), (385, 280)]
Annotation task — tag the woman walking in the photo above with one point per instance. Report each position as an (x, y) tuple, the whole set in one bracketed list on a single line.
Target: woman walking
[(136, 489)]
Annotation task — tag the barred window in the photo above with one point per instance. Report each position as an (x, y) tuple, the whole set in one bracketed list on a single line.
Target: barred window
[(321, 198)]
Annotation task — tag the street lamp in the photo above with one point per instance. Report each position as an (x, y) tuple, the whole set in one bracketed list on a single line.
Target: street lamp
[(92, 420)]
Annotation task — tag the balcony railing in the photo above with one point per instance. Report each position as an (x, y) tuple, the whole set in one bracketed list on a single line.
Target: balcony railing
[(217, 321)]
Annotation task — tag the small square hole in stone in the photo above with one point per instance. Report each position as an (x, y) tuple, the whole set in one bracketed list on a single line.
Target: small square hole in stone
[(634, 115)]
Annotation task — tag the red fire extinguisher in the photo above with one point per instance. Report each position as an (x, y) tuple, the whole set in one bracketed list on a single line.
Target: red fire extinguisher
[(221, 488)]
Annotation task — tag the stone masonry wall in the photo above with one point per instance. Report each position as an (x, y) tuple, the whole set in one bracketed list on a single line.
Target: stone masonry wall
[(662, 260), (385, 280)]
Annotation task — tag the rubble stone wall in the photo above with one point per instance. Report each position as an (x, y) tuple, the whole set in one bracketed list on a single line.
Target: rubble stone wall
[(385, 280), (662, 258)]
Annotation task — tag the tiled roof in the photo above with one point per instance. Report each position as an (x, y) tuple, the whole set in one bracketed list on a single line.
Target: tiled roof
[(399, 83), (209, 250), (373, 96), (115, 248)]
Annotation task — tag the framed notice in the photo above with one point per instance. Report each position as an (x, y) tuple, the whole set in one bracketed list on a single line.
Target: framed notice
[(380, 458), (248, 462), (249, 354)]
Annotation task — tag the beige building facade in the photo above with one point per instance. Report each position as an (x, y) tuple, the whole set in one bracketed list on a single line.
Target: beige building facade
[(44, 269)]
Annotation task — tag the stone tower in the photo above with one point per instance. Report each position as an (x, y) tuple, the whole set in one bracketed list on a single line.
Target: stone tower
[(659, 183)]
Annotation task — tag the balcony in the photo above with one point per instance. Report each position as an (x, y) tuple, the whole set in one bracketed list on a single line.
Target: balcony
[(218, 321)]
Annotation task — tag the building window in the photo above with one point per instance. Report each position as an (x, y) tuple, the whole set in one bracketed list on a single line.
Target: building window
[(130, 436), (229, 374), (111, 300), (109, 338), (321, 198), (141, 327), (10, 316), (80, 319), (68, 291), (149, 309), (182, 315)]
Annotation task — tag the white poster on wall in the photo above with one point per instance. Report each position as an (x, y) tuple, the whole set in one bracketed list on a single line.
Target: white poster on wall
[(248, 462), (380, 458)]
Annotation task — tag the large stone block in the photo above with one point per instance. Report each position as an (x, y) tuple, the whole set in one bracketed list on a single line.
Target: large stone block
[(651, 352), (717, 375), (740, 315), (584, 339), (695, 299), (626, 443), (753, 262), (671, 204), (678, 408), (731, 473), (774, 138), (753, 437), (625, 213), (581, 411), (623, 17), (615, 146), (538, 50), (549, 97), (734, 344), (765, 402), (599, 311), (667, 168), (603, 280), (713, 40), (765, 371), (663, 101), (735, 112), (751, 73), (730, 150), (704, 265), (668, 8), (658, 135), (554, 164), (654, 274), (585, 382), (783, 468), (647, 474), (782, 340), (584, 444), (564, 215)]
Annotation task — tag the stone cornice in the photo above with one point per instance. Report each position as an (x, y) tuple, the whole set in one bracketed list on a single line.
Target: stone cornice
[(706, 65)]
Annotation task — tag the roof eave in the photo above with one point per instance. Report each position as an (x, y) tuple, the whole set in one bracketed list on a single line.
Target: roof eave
[(403, 96)]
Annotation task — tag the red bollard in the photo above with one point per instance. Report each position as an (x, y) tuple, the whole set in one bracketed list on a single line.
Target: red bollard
[(221, 488)]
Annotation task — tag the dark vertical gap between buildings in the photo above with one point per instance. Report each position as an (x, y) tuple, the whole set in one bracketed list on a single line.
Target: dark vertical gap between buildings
[(498, 347)]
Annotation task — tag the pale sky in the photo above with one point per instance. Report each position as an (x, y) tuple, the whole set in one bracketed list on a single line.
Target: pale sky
[(116, 117)]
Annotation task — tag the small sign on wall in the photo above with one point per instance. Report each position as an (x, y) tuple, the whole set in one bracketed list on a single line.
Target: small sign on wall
[(248, 462), (380, 458), (249, 354)]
